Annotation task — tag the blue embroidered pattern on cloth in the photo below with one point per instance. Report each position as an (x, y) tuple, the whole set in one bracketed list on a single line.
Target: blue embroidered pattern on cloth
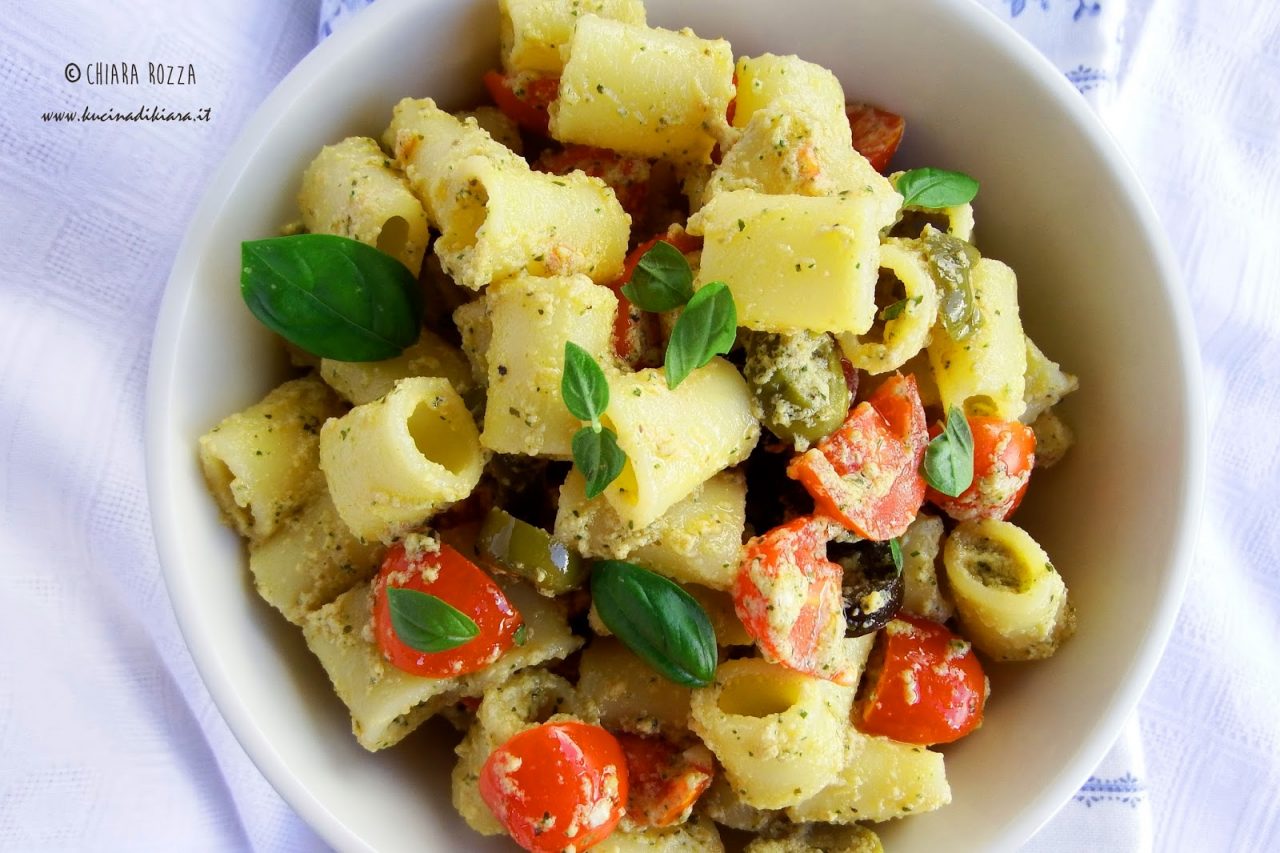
[(1128, 790), (1083, 7)]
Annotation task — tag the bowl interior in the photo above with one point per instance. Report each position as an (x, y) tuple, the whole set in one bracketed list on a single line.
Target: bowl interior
[(1056, 203)]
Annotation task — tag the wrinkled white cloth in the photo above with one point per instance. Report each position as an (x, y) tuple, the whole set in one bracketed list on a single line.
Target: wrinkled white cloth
[(108, 739)]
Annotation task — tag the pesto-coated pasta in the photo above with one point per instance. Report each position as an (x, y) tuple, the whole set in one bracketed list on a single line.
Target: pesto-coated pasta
[(907, 331), (1046, 383), (534, 32), (310, 560), (262, 465), (1011, 601), (770, 80), (621, 692), (984, 374), (793, 262), (880, 779), (820, 838), (360, 382), (392, 463), (350, 189), (698, 835), (921, 548), (667, 100), (779, 734), (530, 321), (698, 540), (675, 440)]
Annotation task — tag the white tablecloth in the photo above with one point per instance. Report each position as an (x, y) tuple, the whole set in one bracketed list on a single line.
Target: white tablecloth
[(108, 739)]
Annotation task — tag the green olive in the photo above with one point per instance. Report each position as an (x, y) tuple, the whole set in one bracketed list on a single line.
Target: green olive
[(798, 382), (521, 549)]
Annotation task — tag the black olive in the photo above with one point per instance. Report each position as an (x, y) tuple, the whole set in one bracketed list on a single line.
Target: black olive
[(872, 585)]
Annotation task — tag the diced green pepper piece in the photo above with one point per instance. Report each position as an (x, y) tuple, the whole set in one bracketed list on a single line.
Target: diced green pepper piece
[(951, 260), (521, 549)]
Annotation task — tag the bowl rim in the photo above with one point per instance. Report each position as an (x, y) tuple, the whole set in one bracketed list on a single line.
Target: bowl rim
[(161, 486)]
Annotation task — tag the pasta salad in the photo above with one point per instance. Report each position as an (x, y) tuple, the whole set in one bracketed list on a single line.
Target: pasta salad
[(654, 433)]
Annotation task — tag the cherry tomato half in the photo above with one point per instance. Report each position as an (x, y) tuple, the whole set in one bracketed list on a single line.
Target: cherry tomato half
[(665, 780), (876, 133), (523, 98), (1004, 452), (789, 598), (866, 474), (556, 785), (930, 687), (457, 581)]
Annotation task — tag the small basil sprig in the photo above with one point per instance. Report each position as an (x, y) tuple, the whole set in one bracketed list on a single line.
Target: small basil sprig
[(895, 551), (662, 279), (935, 188), (948, 460), (706, 328), (586, 395), (333, 297), (656, 619), (427, 623)]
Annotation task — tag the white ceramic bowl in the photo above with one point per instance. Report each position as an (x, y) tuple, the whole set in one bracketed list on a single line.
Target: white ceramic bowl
[(1058, 204)]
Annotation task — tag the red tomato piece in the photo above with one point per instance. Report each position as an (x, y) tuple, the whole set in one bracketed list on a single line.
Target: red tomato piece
[(665, 780), (457, 581), (930, 688), (627, 176), (866, 474), (523, 98), (556, 786), (876, 133), (636, 334), (790, 599), (1004, 452)]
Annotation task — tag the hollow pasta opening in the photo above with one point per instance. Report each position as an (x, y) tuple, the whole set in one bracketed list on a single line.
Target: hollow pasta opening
[(889, 290), (469, 216), (438, 437), (758, 696), (995, 565), (393, 237)]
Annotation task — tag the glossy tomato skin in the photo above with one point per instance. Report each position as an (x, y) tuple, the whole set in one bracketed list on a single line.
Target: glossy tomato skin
[(556, 785), (876, 133), (930, 687), (866, 474), (1004, 452), (788, 596), (664, 780), (524, 99), (457, 581)]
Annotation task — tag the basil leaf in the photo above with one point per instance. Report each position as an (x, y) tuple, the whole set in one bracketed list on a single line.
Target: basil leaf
[(894, 311), (935, 188), (707, 327), (895, 551), (333, 297), (951, 263), (948, 460), (598, 457), (662, 280), (656, 619), (427, 623), (583, 386)]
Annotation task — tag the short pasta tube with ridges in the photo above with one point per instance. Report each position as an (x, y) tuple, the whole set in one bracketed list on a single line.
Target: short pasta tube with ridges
[(793, 262), (392, 463), (262, 464), (509, 220), (530, 321), (984, 374), (675, 440), (1012, 603), (643, 91), (779, 734), (534, 32), (907, 332), (351, 190)]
